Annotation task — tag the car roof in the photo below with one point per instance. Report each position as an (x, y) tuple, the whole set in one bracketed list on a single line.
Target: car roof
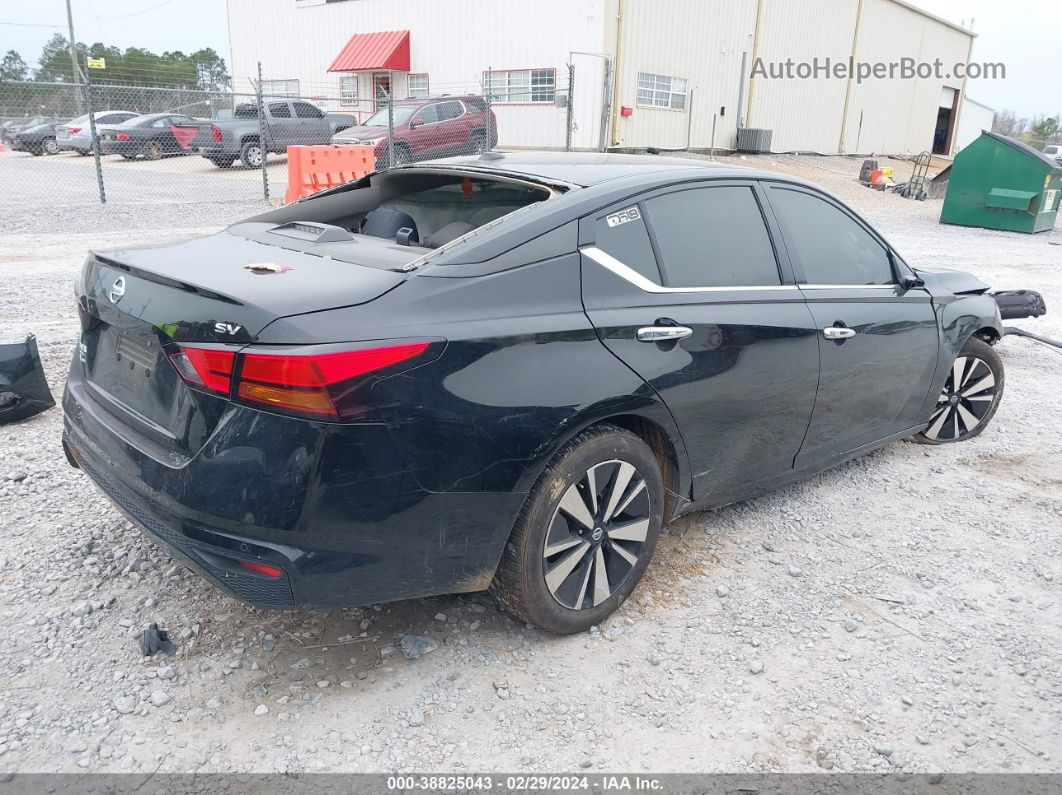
[(586, 168), (414, 102)]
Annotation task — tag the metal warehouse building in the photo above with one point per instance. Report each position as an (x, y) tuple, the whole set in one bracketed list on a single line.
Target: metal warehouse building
[(646, 72)]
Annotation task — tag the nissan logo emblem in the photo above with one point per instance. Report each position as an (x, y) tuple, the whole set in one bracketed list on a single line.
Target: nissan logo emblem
[(117, 290)]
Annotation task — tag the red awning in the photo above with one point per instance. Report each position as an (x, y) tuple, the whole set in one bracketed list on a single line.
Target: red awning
[(368, 51)]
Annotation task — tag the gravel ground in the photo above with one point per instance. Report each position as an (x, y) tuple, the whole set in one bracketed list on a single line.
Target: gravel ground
[(899, 613)]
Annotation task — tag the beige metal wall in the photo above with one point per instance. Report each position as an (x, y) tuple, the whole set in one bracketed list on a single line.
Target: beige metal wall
[(804, 114), (899, 116), (700, 40)]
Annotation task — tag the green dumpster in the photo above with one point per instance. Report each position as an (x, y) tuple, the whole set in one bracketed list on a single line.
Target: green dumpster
[(999, 182)]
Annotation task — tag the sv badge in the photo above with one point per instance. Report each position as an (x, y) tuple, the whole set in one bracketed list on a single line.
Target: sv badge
[(226, 328)]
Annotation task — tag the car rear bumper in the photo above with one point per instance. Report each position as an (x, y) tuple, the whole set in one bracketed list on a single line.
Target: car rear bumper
[(120, 148), (331, 506)]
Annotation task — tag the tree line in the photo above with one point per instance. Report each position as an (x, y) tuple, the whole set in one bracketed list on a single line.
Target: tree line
[(202, 70), (1037, 130)]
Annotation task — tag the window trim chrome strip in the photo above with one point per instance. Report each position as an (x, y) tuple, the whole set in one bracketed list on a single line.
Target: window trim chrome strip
[(847, 286), (627, 273)]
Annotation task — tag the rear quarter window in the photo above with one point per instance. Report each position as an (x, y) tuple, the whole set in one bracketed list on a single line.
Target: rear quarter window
[(622, 234)]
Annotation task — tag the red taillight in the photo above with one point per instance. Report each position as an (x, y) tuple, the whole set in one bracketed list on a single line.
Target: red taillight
[(209, 369), (121, 136), (311, 384), (75, 129), (215, 132), (261, 568)]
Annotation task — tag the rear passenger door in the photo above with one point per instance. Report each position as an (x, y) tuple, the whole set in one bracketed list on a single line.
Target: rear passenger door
[(312, 128), (684, 285), (282, 130), (878, 340)]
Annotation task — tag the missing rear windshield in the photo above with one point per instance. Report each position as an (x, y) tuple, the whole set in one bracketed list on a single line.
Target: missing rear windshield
[(415, 211)]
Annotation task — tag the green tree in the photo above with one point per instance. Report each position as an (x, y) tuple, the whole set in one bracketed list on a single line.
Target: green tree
[(213, 74), (54, 63), (12, 67), (1044, 129)]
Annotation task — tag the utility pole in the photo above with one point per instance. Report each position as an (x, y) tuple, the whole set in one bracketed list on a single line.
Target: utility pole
[(75, 66)]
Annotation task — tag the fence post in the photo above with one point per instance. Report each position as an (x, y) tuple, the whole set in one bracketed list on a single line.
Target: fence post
[(389, 96), (486, 102), (571, 112), (92, 134), (261, 132)]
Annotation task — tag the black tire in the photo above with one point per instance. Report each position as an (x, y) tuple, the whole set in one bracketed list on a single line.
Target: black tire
[(223, 162), (152, 150), (559, 586), (128, 157), (402, 156), (252, 155), (49, 146), (477, 143), (970, 396), (84, 152)]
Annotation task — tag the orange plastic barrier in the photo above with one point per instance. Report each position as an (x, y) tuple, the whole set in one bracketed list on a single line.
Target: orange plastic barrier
[(314, 168)]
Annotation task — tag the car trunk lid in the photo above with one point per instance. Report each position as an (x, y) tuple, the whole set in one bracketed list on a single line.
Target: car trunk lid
[(139, 306)]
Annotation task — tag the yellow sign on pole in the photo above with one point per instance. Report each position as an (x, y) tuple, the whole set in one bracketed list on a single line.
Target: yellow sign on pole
[(97, 63)]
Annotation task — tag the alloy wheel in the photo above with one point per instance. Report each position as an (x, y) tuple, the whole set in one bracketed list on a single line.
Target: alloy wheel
[(596, 535), (254, 155), (50, 146), (968, 396)]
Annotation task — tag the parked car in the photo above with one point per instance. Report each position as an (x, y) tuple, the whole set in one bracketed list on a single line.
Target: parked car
[(505, 373), (149, 136), (286, 123), (76, 135), (426, 128), (38, 139), (1053, 150), (11, 126)]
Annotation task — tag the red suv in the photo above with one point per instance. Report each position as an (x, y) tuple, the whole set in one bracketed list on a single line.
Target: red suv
[(425, 128)]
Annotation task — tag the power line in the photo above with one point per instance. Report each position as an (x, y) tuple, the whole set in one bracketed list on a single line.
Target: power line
[(137, 13), (30, 25)]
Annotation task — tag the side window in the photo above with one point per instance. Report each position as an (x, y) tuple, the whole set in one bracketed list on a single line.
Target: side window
[(304, 110), (831, 246), (279, 110), (450, 110), (713, 237), (427, 115), (113, 118), (163, 122), (621, 233)]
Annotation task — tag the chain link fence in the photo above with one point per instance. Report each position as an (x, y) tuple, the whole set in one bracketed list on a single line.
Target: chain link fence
[(97, 142)]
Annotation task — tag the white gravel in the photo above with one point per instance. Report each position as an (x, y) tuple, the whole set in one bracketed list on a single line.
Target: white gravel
[(899, 613)]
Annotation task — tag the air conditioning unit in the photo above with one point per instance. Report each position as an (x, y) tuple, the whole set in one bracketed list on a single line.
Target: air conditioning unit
[(754, 140)]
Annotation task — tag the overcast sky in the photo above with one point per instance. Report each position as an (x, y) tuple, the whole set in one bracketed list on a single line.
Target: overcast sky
[(1025, 35)]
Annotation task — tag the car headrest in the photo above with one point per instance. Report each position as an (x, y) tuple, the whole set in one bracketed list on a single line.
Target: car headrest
[(451, 231), (384, 222)]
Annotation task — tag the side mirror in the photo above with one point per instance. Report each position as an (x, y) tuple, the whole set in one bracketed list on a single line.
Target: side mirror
[(413, 123), (911, 282)]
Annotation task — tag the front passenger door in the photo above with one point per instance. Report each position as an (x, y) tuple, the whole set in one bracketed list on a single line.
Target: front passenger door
[(878, 341), (718, 329)]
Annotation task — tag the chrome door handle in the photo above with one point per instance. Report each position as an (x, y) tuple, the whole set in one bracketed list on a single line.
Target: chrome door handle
[(663, 333), (838, 332)]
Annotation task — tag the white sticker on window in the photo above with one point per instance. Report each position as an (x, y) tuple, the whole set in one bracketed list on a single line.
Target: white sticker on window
[(623, 216)]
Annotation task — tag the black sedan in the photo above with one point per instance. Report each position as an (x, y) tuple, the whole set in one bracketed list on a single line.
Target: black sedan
[(149, 136), (37, 139), (505, 372)]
